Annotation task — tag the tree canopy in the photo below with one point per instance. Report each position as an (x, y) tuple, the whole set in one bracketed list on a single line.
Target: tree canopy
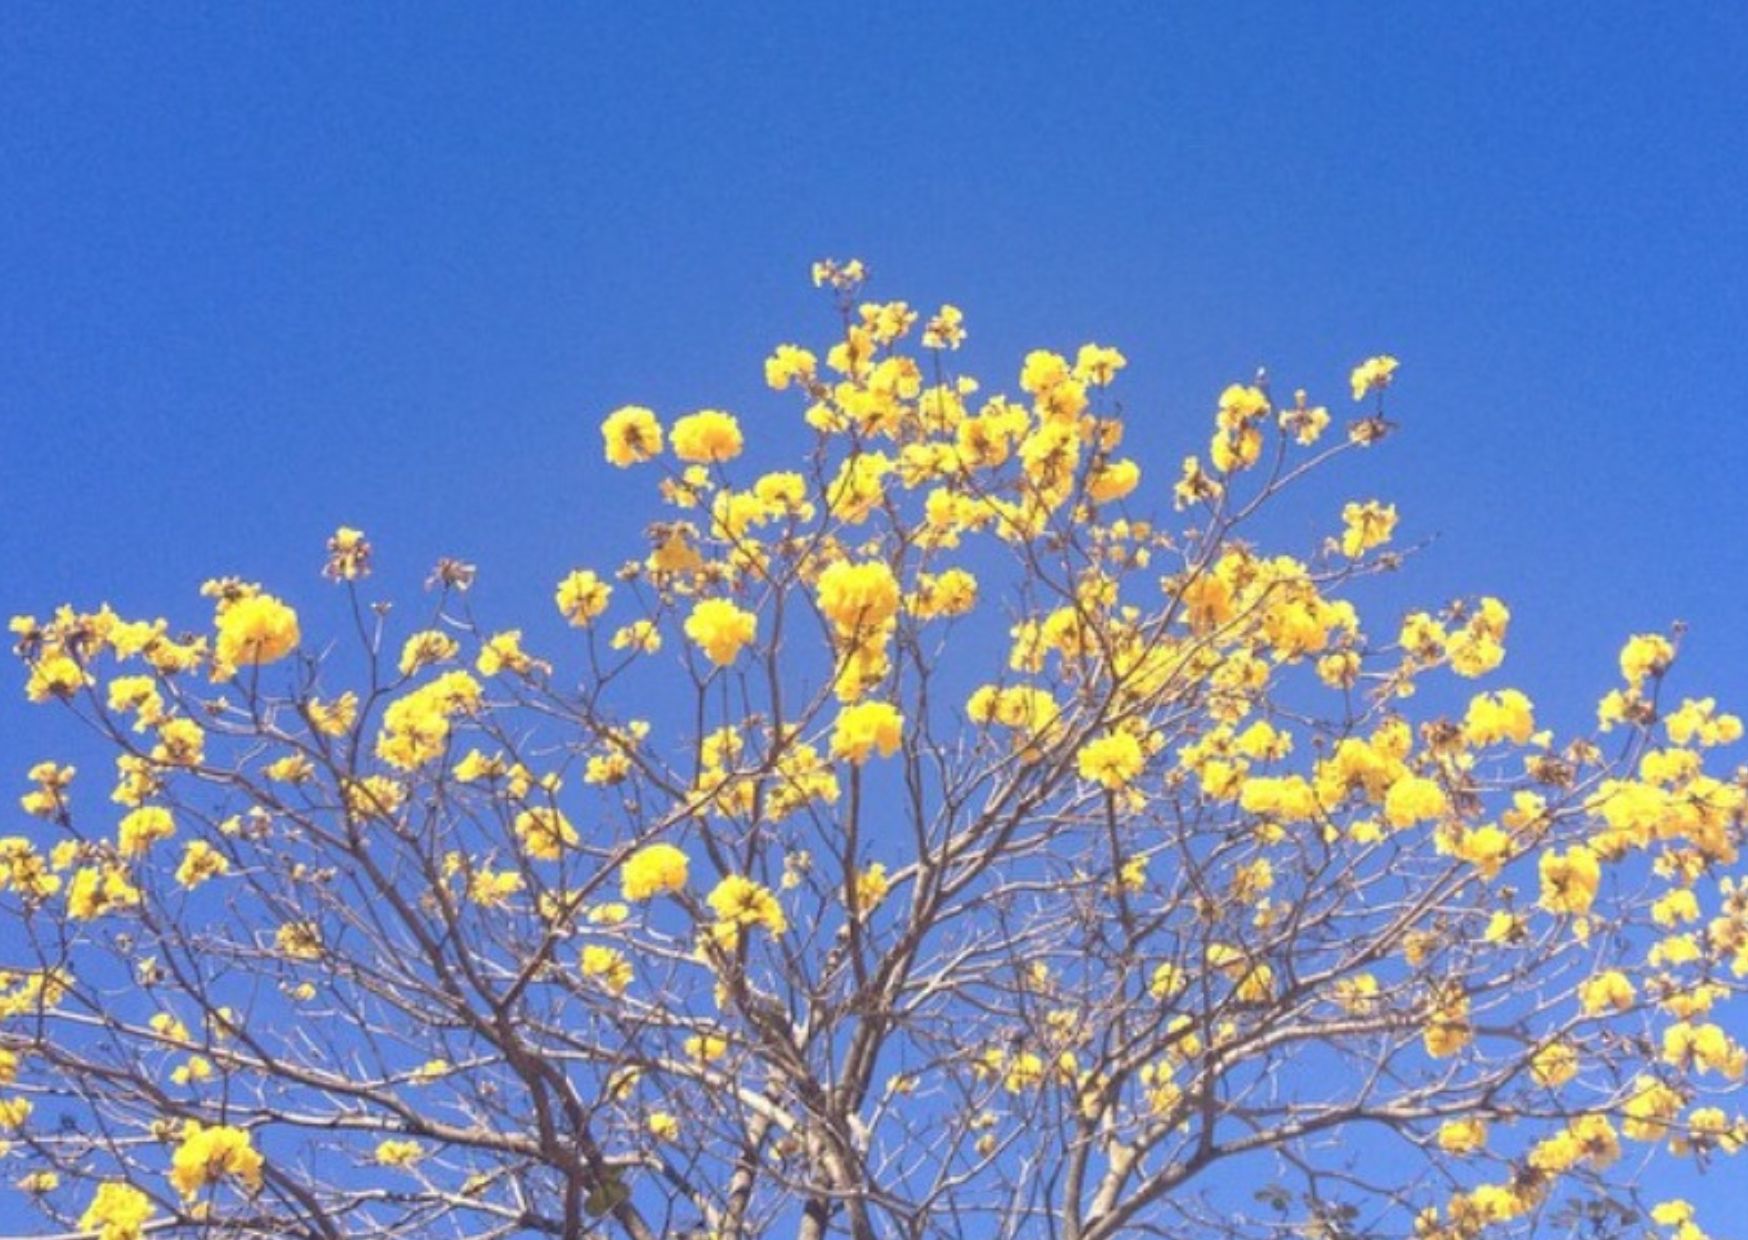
[(946, 829)]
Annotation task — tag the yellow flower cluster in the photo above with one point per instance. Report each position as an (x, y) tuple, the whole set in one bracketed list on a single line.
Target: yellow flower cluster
[(740, 902), (416, 728), (1366, 525), (658, 869), (255, 630), (865, 729), (545, 832), (631, 435), (721, 630), (707, 436), (581, 597), (118, 1211), (1112, 760), (208, 1155), (860, 602)]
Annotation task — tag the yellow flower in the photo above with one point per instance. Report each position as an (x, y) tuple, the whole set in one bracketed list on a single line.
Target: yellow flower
[(198, 1068), (739, 901), (1112, 760), (1697, 722), (396, 1152), (662, 1126), (706, 1047), (1649, 1111), (493, 888), (1554, 1064), (256, 630), (790, 364), (1672, 1213), (545, 832), (1569, 880), (857, 598), (952, 593), (1462, 1136), (425, 648), (299, 940), (1413, 799), (656, 870), (870, 887), (607, 965), (708, 435), (1645, 655), (49, 797), (720, 629), (1234, 450), (137, 694), (946, 330), (118, 1212), (55, 675), (334, 717), (142, 828), (631, 435), (1112, 481), (94, 892), (1098, 364), (639, 635), (581, 597), (863, 729), (1486, 848), (503, 652), (1373, 375), (348, 555), (209, 1154), (1447, 1029), (181, 742), (1605, 992), (1366, 525), (1492, 718)]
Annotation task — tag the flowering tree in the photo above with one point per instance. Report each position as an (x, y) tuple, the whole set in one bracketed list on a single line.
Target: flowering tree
[(1008, 858)]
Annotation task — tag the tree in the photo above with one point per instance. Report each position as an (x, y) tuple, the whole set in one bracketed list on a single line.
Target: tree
[(1000, 861)]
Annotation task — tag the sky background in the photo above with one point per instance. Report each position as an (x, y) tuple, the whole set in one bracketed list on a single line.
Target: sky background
[(269, 269)]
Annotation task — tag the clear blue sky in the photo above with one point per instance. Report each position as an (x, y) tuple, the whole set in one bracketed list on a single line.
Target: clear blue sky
[(267, 269)]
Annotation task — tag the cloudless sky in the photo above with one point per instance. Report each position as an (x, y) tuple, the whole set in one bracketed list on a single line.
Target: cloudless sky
[(265, 269)]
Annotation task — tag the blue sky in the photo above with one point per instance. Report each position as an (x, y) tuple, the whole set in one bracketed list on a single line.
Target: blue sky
[(268, 269)]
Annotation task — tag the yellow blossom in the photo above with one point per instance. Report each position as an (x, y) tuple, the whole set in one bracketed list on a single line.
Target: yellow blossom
[(1462, 1136), (865, 729), (1645, 655), (608, 966), (1373, 375), (1569, 880), (1366, 526), (1112, 760), (581, 597), (720, 629), (739, 901), (631, 435), (708, 435), (545, 832), (657, 869), (256, 630), (207, 1155), (398, 1152), (142, 828), (118, 1211), (1414, 799)]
